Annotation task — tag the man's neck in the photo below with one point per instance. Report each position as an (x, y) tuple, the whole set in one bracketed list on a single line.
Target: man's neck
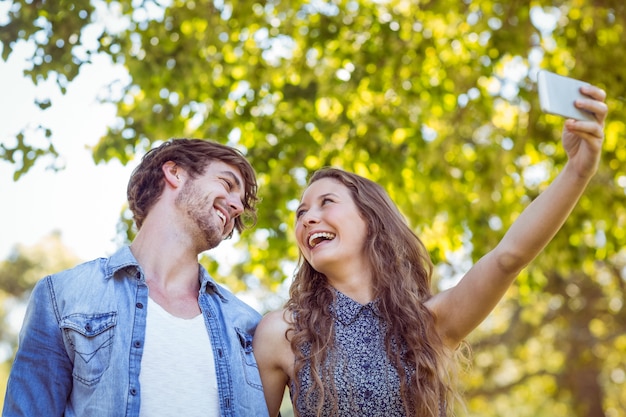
[(171, 274)]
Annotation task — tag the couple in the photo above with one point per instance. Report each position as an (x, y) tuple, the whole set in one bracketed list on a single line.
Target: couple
[(147, 332)]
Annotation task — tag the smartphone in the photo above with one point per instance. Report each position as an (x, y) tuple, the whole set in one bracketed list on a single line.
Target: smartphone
[(558, 93)]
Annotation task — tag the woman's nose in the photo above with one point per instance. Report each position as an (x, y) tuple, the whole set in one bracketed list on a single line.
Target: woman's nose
[(310, 217)]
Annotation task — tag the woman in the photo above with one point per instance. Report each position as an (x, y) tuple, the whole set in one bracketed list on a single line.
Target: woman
[(362, 334)]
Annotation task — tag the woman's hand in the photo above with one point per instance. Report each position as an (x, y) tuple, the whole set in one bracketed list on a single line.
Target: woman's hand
[(582, 140)]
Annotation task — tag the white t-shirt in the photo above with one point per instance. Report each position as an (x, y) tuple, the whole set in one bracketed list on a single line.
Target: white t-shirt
[(177, 375)]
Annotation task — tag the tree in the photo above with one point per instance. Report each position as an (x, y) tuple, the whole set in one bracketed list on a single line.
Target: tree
[(436, 101)]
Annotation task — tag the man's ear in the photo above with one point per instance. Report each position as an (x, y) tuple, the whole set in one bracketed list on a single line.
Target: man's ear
[(172, 174)]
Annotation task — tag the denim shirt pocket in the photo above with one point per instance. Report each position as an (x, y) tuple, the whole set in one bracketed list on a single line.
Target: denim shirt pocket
[(250, 368), (90, 338)]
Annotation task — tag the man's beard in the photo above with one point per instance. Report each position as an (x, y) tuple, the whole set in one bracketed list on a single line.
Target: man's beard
[(199, 209)]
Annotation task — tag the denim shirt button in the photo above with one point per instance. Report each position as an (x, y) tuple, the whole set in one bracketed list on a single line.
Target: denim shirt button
[(133, 391), (88, 327), (139, 305), (137, 343)]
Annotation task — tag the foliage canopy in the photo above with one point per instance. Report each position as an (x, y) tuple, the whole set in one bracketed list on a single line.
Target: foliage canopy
[(435, 100)]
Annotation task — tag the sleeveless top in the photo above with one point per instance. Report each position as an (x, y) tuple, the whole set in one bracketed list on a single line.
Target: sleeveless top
[(366, 382)]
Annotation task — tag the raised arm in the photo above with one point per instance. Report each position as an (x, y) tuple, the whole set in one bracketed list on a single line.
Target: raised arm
[(274, 357), (462, 308)]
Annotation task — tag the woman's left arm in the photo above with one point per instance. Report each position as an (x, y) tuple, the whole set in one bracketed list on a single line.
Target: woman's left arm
[(462, 308)]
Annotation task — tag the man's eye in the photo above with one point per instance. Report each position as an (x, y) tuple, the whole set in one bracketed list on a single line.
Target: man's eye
[(326, 200), (229, 184)]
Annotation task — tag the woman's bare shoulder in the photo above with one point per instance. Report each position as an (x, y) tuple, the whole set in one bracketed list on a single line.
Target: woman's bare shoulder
[(272, 347), (275, 323)]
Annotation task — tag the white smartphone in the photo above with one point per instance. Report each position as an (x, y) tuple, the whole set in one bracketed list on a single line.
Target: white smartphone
[(558, 93)]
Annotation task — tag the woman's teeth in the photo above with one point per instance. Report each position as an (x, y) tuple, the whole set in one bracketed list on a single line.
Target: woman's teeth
[(316, 238)]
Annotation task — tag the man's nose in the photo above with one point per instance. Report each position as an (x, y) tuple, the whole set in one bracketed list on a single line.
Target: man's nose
[(236, 206)]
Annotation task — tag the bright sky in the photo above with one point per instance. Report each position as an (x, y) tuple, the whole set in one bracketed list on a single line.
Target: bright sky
[(84, 200)]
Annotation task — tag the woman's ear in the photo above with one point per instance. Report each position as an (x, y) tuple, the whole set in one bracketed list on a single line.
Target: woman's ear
[(171, 173)]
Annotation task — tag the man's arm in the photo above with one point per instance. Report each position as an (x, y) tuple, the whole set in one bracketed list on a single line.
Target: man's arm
[(41, 376)]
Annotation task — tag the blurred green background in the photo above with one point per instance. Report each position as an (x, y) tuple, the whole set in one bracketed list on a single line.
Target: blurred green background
[(435, 100)]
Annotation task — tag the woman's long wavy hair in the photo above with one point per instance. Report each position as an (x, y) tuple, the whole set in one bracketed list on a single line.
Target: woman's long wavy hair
[(401, 271)]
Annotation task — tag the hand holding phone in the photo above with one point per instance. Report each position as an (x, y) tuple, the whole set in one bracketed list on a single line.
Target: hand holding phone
[(558, 93)]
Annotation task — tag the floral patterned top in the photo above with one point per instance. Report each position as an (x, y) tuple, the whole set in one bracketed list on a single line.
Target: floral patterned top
[(366, 382)]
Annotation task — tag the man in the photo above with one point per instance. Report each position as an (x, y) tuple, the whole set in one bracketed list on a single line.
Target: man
[(147, 332)]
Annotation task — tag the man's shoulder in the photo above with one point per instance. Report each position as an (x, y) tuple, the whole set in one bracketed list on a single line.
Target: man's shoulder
[(95, 274), (239, 302), (96, 284), (104, 266), (82, 270), (225, 294), (81, 283)]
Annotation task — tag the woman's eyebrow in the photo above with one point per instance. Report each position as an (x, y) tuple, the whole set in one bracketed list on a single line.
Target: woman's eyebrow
[(319, 197)]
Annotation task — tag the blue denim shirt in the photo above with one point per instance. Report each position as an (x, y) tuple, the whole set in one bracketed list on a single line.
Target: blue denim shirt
[(81, 344)]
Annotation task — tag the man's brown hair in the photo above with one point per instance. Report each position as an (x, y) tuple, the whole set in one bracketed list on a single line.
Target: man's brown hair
[(194, 156)]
